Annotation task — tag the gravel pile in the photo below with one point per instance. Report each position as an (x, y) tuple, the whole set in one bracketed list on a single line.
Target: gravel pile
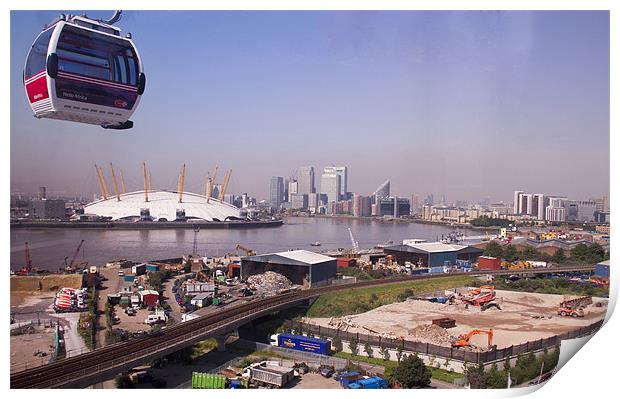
[(430, 333), (269, 283)]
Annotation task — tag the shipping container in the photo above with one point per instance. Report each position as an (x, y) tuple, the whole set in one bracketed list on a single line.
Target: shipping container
[(489, 263), (347, 378), (152, 268), (129, 278), (305, 344), (346, 262), (139, 270), (437, 269), (602, 269), (208, 381), (369, 383)]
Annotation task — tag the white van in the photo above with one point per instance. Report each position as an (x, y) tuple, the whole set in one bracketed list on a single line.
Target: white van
[(155, 318)]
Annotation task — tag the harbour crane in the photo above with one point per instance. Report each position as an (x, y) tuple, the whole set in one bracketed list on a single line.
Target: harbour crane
[(354, 244), (26, 270), (75, 254)]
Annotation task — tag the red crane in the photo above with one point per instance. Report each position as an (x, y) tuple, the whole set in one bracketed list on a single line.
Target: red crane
[(75, 254), (28, 268)]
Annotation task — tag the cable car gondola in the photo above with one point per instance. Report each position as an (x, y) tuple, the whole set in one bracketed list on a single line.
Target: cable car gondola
[(82, 70)]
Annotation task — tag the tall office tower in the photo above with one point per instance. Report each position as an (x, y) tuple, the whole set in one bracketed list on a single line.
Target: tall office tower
[(276, 192), (525, 204), (305, 180), (293, 188), (383, 191), (343, 173), (415, 204), (517, 198), (330, 186), (538, 206)]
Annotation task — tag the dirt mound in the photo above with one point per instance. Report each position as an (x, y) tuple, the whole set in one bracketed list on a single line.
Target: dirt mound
[(269, 282), (430, 333), (47, 283)]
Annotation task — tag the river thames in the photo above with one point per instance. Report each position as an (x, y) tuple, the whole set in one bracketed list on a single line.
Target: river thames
[(49, 247)]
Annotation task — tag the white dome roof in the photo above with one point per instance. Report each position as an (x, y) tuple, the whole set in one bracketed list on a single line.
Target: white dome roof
[(163, 205)]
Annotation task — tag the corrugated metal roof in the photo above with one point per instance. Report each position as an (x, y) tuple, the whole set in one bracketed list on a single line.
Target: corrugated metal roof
[(437, 247), (301, 255)]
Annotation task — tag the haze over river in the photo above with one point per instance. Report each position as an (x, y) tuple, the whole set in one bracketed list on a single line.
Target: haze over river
[(49, 247)]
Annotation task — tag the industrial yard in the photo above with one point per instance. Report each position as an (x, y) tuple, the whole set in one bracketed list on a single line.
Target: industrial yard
[(523, 317)]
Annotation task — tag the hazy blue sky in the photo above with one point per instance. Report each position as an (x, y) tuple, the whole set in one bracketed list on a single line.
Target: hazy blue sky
[(468, 104)]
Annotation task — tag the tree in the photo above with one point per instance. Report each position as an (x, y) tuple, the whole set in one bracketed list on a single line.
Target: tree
[(368, 349), (411, 372), (384, 352), (510, 253), (493, 249), (399, 354), (337, 344), (353, 346), (559, 256), (529, 254), (476, 377)]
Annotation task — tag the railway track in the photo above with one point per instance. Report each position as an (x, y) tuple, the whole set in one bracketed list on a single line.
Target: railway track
[(63, 372)]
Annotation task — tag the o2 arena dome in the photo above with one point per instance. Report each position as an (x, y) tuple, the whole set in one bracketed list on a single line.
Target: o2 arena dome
[(163, 206)]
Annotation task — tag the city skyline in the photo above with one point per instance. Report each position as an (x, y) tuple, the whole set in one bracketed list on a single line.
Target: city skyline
[(448, 103)]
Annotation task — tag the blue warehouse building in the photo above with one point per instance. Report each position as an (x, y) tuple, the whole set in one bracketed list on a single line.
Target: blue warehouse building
[(432, 254), (301, 267)]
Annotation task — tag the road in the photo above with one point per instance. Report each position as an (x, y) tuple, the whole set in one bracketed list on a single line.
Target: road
[(171, 300), (110, 286)]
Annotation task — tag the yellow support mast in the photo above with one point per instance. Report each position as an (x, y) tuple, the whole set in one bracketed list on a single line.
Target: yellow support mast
[(100, 183), (124, 191), (118, 195), (146, 184), (105, 184), (181, 184), (225, 184)]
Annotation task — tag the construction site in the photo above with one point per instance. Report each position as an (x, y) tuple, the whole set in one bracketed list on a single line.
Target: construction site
[(459, 319)]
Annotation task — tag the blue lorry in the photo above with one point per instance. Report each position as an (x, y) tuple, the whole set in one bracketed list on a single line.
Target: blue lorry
[(301, 343)]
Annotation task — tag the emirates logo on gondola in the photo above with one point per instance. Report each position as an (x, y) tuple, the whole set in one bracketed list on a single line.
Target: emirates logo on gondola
[(120, 103)]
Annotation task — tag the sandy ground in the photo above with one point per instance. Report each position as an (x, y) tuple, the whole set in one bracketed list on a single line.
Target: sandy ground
[(27, 297), (512, 325), (315, 381), (23, 346)]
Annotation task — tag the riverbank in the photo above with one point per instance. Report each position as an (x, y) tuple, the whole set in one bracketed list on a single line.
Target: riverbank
[(229, 224), (468, 226)]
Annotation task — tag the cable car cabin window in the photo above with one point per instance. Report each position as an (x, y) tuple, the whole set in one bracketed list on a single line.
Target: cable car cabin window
[(37, 57), (89, 54)]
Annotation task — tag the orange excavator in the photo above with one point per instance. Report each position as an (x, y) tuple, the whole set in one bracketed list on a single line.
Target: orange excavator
[(462, 341)]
